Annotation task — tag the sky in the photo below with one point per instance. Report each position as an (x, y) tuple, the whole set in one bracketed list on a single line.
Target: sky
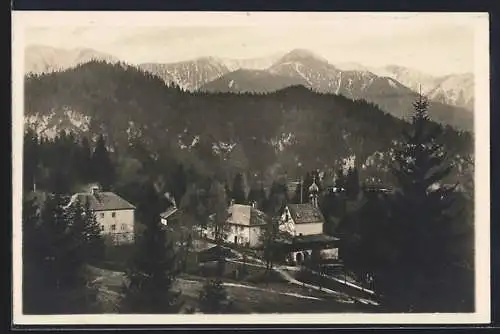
[(434, 44)]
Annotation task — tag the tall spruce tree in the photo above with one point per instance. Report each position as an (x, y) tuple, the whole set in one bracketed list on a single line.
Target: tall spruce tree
[(217, 205), (278, 195), (33, 301), (179, 183), (257, 194), (340, 179), (352, 183), (238, 192), (421, 213), (102, 166), (154, 266), (85, 161), (213, 296), (271, 234), (55, 252)]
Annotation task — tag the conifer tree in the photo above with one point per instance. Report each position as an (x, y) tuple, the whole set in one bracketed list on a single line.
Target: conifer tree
[(86, 233), (154, 266), (213, 297), (271, 234), (102, 166), (257, 195), (352, 183), (278, 197), (218, 207), (340, 179), (85, 161), (179, 183), (55, 252), (32, 257), (238, 191), (421, 212)]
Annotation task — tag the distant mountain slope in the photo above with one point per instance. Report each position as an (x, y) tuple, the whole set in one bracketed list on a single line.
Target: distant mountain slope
[(46, 59), (387, 87), (193, 74), (454, 89), (252, 81), (189, 75), (303, 67), (411, 78), (214, 133), (260, 63)]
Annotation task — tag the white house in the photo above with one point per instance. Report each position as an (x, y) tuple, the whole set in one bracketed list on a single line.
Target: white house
[(244, 225), (114, 214), (302, 219), (305, 223), (305, 218)]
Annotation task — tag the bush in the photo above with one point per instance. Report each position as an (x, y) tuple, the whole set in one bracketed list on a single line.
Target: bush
[(213, 297), (116, 257), (265, 277)]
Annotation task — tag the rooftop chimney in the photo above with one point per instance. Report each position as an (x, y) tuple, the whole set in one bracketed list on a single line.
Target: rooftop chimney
[(94, 190)]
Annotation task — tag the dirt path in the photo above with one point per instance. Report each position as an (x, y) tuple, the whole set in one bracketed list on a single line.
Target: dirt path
[(291, 280), (108, 278)]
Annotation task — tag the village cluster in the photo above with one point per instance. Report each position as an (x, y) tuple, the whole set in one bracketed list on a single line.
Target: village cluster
[(246, 224), (302, 222)]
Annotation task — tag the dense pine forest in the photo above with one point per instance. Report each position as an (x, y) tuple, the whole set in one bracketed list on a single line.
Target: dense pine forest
[(286, 132)]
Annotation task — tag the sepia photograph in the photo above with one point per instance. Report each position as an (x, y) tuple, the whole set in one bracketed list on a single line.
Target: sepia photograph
[(261, 167)]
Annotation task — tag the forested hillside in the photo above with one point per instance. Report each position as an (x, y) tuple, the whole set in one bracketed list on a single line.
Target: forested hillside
[(223, 133)]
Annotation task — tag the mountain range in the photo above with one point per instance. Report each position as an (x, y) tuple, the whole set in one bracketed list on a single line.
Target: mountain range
[(391, 87), (222, 133), (43, 59)]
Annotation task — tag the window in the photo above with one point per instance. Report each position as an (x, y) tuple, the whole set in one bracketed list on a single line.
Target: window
[(102, 227), (102, 214), (124, 227), (113, 214), (113, 227)]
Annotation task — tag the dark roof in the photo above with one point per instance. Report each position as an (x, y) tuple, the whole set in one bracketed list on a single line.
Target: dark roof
[(171, 212), (257, 217), (315, 238), (244, 215), (305, 213), (305, 239), (213, 253), (102, 201)]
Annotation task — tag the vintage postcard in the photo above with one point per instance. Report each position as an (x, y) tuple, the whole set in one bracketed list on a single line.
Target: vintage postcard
[(250, 168)]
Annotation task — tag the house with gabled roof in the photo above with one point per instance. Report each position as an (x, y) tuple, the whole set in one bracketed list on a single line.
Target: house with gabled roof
[(304, 222), (114, 214), (170, 216), (245, 224), (302, 219)]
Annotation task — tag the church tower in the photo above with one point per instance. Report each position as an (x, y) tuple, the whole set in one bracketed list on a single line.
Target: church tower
[(313, 193)]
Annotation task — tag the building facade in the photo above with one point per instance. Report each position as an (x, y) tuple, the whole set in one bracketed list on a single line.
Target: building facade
[(114, 214), (244, 226), (305, 223)]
